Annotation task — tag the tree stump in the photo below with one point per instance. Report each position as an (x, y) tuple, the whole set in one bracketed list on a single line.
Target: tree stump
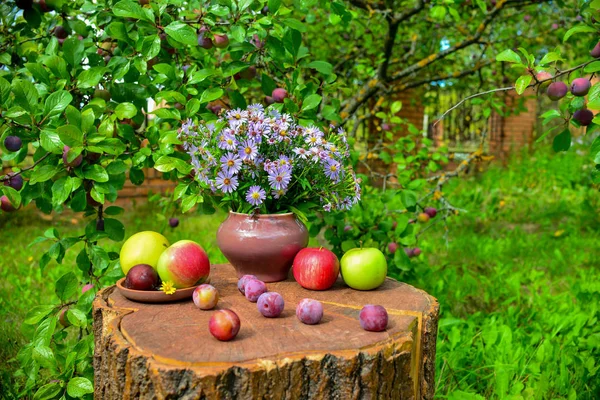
[(164, 351)]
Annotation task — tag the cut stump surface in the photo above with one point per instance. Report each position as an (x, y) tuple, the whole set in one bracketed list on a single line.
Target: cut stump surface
[(164, 351)]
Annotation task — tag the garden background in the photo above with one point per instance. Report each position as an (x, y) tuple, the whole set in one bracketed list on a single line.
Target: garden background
[(511, 256)]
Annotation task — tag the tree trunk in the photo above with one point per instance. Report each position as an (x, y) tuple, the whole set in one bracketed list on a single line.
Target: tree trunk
[(164, 351)]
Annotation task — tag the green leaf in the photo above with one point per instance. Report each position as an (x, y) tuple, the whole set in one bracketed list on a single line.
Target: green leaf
[(267, 84), (118, 30), (57, 102), (70, 135), (136, 176), (522, 83), (38, 72), (125, 110), (99, 257), (57, 66), (292, 41), (112, 146), (593, 67), (201, 75), (562, 141), (311, 102), (76, 317), (48, 391), (96, 173), (42, 174), (192, 107), (79, 387), (73, 50), (166, 164), (509, 56), (26, 95), (113, 210), (151, 46), (595, 150), (37, 313), (115, 229), (189, 201), (66, 286), (409, 199), (211, 94), (130, 9), (550, 57), (273, 5), (295, 24), (44, 355), (90, 77), (183, 33), (61, 189), (322, 66), (167, 113), (4, 90), (578, 29), (13, 195)]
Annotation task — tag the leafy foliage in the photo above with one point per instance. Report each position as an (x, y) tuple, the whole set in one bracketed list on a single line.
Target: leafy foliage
[(75, 120)]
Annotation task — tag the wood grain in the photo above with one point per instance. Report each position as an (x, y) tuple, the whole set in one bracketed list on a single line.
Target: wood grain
[(165, 351)]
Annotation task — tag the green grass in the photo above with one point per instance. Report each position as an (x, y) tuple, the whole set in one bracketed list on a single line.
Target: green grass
[(518, 283)]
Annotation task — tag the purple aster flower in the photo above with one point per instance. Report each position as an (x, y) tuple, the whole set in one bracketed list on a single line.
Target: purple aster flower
[(333, 149), (256, 109), (236, 116), (256, 130), (313, 131), (314, 153), (226, 181), (270, 166), (227, 142), (256, 195), (195, 162), (231, 162), (248, 150), (284, 161), (209, 158), (202, 177), (327, 207), (278, 193), (280, 178), (332, 170), (346, 204), (271, 140), (301, 152), (313, 140)]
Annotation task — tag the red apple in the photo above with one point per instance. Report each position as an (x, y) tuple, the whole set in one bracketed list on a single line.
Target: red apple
[(184, 264), (316, 268), (224, 325)]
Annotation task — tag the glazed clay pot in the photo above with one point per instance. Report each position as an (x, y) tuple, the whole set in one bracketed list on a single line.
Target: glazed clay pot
[(262, 245)]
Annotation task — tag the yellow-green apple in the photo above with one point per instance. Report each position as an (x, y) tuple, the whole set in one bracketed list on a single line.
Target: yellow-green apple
[(316, 268), (184, 263), (364, 268), (142, 248)]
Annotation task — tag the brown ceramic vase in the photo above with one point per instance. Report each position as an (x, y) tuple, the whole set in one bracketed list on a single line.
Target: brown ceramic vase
[(262, 245)]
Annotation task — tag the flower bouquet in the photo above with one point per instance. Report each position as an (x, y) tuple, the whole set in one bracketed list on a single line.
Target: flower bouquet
[(268, 170)]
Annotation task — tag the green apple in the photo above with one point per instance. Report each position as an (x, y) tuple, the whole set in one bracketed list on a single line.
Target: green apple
[(142, 248), (363, 269)]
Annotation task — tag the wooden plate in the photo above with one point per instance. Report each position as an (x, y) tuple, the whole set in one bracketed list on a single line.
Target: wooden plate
[(154, 296)]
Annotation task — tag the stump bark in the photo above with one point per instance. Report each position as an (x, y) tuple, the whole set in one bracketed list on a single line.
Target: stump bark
[(164, 351)]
